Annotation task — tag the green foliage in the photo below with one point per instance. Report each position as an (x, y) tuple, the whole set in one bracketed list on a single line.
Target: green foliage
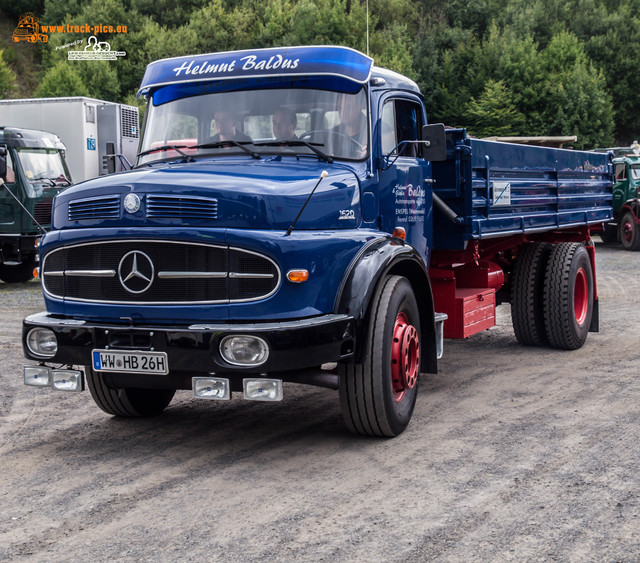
[(10, 56), (7, 78), (495, 113), (61, 80), (15, 8)]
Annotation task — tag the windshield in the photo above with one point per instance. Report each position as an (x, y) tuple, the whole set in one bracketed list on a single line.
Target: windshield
[(43, 166), (298, 121), (635, 172)]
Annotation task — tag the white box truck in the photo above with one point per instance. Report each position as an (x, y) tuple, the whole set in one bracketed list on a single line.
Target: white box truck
[(90, 129)]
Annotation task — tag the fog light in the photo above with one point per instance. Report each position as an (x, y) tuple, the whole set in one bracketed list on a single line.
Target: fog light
[(262, 389), (216, 388), (242, 350), (37, 376), (42, 342), (67, 380)]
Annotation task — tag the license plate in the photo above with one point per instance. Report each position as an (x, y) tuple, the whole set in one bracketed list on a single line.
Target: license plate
[(130, 362)]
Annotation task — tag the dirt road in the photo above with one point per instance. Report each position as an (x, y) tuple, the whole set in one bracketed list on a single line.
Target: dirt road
[(513, 453)]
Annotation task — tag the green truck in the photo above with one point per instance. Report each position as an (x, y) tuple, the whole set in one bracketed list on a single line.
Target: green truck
[(35, 172), (625, 226)]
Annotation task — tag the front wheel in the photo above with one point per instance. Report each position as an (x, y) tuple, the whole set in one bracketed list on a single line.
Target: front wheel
[(629, 232), (129, 403), (379, 395)]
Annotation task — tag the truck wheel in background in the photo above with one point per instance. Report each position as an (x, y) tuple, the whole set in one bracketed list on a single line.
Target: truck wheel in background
[(610, 234), (568, 296), (527, 289), (17, 273), (378, 396), (629, 232), (131, 403)]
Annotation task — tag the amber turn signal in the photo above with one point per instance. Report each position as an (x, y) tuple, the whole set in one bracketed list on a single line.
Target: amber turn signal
[(399, 232), (297, 276)]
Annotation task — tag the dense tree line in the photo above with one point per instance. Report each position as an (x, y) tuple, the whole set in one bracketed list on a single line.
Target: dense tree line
[(497, 67)]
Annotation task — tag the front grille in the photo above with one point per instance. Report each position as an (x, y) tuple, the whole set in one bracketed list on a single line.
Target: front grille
[(42, 212), (158, 272), (95, 208), (181, 207)]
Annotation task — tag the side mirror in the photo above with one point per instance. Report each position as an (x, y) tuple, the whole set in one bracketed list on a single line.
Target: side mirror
[(434, 145), (3, 163)]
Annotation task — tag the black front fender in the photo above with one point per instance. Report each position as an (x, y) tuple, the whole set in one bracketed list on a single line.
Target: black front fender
[(381, 258)]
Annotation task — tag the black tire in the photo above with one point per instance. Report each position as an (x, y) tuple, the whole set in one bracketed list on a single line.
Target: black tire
[(375, 400), (629, 232), (129, 403), (610, 234), (568, 297), (527, 294), (18, 273)]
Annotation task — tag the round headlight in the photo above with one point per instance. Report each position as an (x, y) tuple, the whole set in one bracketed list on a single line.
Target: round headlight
[(244, 350), (42, 342)]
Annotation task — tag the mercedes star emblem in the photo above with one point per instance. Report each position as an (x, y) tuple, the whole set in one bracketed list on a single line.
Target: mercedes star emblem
[(131, 203), (136, 272)]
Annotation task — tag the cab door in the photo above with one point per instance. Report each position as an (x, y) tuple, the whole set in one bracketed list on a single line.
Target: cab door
[(405, 198), (621, 187)]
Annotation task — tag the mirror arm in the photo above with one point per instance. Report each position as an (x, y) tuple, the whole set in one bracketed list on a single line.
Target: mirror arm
[(386, 157)]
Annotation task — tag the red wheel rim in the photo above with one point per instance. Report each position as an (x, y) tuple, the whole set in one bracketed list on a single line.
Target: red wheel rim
[(405, 357), (581, 296), (627, 231)]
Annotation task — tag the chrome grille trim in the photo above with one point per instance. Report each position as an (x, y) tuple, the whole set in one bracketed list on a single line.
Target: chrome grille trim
[(230, 255), (91, 273), (187, 275), (238, 275)]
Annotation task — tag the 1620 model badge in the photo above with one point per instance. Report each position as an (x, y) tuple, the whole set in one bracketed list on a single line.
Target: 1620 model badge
[(136, 272)]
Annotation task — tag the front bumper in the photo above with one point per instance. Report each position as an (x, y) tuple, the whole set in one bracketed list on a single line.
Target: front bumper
[(294, 347)]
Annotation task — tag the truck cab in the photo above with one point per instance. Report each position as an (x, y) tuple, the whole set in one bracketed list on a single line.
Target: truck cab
[(625, 202), (35, 172)]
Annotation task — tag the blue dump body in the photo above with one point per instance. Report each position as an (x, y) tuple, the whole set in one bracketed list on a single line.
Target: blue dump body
[(503, 189)]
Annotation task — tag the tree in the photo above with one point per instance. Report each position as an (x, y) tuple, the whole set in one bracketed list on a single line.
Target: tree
[(61, 80), (7, 79), (494, 112)]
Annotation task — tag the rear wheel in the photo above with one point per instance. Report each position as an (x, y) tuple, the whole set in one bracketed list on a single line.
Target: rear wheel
[(130, 403), (629, 232), (610, 234), (378, 396), (568, 297), (20, 272), (527, 289)]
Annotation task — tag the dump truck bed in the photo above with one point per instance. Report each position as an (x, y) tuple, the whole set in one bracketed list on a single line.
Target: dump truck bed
[(502, 189)]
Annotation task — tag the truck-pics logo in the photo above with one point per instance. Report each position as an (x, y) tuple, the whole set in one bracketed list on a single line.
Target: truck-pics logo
[(28, 30)]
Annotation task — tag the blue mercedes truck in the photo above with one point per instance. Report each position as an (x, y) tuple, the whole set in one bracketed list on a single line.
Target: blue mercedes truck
[(294, 218)]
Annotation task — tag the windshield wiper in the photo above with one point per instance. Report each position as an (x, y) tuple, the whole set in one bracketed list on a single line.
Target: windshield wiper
[(39, 178), (239, 144), (176, 148), (298, 143)]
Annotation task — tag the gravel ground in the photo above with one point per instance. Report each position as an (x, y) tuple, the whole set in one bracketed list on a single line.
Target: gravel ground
[(513, 454)]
